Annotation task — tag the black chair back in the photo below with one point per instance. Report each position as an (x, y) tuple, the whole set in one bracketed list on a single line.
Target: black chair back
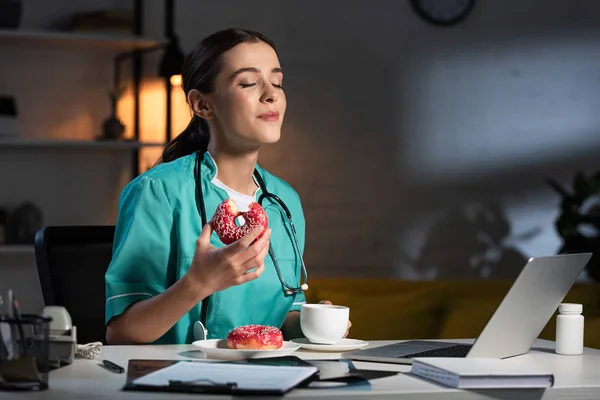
[(72, 262)]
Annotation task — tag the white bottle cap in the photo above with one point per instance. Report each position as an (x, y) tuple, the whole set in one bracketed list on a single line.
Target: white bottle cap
[(570, 308)]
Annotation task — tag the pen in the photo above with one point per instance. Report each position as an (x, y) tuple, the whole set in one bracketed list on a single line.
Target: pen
[(15, 315), (111, 366), (4, 341), (17, 318), (9, 304)]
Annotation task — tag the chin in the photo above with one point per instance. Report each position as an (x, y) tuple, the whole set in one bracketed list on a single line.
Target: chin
[(260, 134), (268, 136), (271, 139)]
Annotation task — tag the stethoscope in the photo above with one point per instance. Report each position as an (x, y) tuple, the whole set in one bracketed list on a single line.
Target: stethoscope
[(199, 328)]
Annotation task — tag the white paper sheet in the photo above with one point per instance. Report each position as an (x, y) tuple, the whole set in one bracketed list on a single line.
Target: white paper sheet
[(246, 377)]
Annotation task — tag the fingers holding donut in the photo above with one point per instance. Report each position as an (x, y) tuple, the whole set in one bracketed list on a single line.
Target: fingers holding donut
[(245, 258), (241, 259), (251, 275), (255, 254), (246, 242)]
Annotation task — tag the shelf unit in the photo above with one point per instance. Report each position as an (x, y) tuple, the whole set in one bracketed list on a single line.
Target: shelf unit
[(119, 45), (17, 249), (76, 144), (76, 40)]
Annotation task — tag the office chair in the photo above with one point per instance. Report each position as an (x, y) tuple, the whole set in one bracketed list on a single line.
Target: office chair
[(71, 263)]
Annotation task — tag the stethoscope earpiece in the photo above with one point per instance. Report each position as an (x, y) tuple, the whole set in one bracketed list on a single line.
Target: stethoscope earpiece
[(304, 286)]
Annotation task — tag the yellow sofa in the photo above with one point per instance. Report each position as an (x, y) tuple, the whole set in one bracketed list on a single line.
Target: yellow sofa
[(394, 309)]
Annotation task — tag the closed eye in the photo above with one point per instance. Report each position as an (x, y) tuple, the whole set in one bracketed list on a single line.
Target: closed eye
[(277, 86), (247, 85)]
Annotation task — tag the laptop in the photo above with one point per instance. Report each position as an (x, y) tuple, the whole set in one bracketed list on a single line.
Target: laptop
[(517, 322)]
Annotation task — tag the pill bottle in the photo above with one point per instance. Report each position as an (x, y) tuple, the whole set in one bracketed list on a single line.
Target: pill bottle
[(569, 329)]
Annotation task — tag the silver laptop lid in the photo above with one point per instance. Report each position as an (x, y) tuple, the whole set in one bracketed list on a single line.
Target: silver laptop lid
[(529, 304)]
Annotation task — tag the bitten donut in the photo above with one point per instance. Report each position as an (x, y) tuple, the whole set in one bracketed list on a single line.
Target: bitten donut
[(223, 221), (255, 337)]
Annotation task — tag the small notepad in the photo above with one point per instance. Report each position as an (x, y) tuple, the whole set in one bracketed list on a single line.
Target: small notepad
[(253, 378)]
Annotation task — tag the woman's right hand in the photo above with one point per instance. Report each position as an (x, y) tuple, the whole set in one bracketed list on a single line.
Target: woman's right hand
[(217, 269)]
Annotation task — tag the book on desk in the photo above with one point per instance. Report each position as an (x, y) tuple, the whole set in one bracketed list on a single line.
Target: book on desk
[(482, 373)]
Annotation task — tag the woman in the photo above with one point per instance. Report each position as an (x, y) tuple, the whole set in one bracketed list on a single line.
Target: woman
[(165, 263)]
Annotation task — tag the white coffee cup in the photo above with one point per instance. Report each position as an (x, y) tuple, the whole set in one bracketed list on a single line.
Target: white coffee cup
[(324, 323)]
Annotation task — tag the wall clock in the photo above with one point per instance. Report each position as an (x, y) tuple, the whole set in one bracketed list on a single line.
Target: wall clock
[(443, 12)]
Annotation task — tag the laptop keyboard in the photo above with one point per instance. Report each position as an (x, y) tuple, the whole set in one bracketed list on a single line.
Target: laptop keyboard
[(458, 350)]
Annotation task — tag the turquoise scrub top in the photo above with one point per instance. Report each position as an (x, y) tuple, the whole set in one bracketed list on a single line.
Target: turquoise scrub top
[(156, 231)]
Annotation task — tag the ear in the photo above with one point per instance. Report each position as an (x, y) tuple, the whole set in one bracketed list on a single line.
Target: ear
[(200, 104)]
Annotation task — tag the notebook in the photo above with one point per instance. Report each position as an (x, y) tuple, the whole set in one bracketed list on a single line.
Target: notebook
[(216, 377), (481, 373)]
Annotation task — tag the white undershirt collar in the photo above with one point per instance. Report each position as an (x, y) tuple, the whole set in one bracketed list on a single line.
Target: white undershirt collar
[(241, 200)]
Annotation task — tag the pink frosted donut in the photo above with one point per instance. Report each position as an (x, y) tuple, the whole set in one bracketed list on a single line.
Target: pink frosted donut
[(255, 337), (223, 221)]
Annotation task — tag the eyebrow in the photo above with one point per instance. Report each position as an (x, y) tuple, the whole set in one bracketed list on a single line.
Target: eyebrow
[(253, 70)]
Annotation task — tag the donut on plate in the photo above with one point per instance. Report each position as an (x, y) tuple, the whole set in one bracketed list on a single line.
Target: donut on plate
[(254, 337)]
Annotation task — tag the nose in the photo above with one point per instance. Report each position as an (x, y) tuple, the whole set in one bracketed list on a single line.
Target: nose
[(270, 95)]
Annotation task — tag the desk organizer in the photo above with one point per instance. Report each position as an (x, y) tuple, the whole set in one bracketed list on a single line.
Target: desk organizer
[(24, 351)]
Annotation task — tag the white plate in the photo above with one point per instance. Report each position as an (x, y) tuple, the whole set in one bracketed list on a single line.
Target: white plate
[(342, 345), (217, 348)]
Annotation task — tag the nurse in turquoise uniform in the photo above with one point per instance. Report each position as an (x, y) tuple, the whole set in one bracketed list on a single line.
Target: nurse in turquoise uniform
[(166, 263)]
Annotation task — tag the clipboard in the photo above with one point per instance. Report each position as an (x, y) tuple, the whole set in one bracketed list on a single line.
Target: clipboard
[(138, 368)]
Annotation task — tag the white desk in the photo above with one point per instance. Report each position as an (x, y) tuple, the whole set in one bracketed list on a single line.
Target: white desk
[(576, 377)]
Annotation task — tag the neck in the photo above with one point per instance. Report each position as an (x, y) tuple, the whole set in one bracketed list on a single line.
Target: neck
[(236, 169)]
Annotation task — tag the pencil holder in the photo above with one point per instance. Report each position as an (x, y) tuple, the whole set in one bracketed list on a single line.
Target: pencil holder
[(24, 352)]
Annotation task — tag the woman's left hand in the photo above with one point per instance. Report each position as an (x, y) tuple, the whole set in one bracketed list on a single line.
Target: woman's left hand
[(349, 323)]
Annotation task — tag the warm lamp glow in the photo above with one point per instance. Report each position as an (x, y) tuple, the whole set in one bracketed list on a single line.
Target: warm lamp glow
[(176, 80), (152, 116)]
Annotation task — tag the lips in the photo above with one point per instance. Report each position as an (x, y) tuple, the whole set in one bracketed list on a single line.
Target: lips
[(270, 116)]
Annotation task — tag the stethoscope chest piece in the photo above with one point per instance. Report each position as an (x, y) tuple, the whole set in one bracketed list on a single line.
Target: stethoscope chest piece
[(199, 332)]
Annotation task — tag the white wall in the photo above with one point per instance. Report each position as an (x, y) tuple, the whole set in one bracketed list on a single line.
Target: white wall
[(395, 130), (19, 273)]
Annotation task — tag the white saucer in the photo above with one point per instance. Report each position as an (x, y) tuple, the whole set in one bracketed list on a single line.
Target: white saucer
[(342, 345), (217, 348)]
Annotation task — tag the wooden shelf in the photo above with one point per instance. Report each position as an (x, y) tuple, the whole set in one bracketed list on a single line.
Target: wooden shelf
[(16, 249), (76, 144), (75, 40)]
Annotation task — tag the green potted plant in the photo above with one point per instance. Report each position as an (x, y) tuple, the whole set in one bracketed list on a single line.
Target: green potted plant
[(578, 223)]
